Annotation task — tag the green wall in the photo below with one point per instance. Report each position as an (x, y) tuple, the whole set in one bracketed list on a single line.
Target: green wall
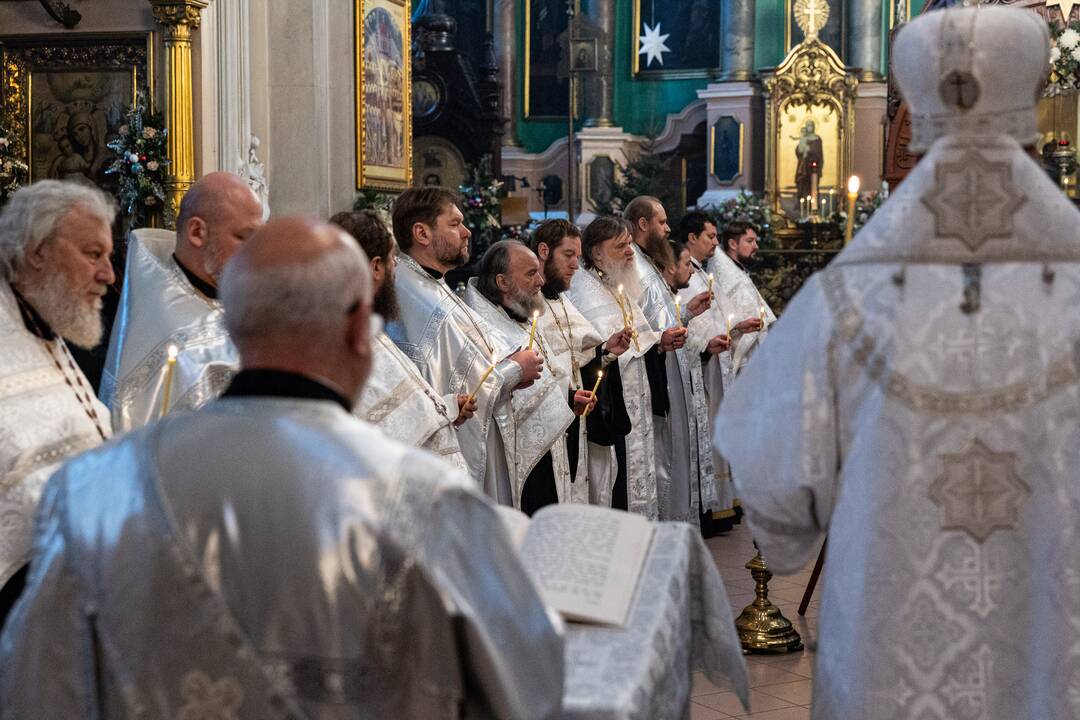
[(642, 105)]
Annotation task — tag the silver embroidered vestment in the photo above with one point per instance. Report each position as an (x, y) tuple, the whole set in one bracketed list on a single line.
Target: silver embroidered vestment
[(268, 558), (937, 441), (745, 303), (159, 307), (453, 348), (685, 483), (535, 420), (42, 423), (598, 304), (403, 405)]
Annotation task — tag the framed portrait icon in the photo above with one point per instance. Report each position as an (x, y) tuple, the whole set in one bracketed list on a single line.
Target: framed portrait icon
[(383, 95), (65, 97)]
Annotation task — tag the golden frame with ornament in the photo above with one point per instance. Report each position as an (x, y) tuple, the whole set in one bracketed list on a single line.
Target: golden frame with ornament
[(80, 65), (383, 95), (811, 83)]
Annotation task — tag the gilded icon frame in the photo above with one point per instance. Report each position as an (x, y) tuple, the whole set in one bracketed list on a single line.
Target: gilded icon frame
[(90, 56), (376, 169)]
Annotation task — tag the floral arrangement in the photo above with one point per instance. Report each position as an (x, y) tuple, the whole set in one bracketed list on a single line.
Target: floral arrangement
[(1064, 58), (480, 199), (866, 204), (140, 165), (13, 172), (746, 207), (521, 233)]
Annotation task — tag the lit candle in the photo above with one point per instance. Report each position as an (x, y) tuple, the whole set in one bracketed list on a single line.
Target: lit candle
[(727, 321), (710, 287), (532, 332), (761, 315), (480, 384), (170, 370), (595, 387), (852, 193), (678, 312), (802, 208)]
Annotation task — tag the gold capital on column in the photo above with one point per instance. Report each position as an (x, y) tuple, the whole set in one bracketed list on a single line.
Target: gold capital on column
[(179, 18)]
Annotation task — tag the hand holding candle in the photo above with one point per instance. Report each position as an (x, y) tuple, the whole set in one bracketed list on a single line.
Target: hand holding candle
[(170, 370), (852, 194), (678, 311)]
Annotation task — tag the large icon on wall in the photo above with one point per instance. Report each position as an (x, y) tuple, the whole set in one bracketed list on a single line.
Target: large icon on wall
[(726, 149), (675, 39), (383, 96), (547, 90), (65, 98), (437, 161)]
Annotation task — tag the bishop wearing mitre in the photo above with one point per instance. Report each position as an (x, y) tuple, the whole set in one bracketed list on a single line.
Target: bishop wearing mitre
[(168, 340), (918, 402)]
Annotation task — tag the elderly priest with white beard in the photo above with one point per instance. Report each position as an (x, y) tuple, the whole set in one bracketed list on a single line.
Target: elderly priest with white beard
[(55, 243), (170, 300), (506, 294), (272, 556), (455, 349)]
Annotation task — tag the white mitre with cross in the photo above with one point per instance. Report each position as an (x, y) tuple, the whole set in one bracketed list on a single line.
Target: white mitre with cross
[(971, 77)]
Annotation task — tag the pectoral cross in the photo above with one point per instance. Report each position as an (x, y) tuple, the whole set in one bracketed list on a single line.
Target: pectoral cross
[(960, 90)]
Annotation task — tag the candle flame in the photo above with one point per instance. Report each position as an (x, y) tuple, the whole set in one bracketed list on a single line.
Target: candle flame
[(853, 184), (536, 314), (599, 374), (173, 352), (678, 299), (620, 289)]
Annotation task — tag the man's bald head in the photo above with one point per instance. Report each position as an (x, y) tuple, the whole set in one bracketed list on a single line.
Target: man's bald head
[(218, 213), (297, 297)]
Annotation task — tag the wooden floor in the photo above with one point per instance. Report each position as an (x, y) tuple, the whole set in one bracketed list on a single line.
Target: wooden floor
[(779, 684)]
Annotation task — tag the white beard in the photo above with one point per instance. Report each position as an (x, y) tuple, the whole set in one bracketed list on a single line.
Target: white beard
[(70, 316), (627, 277), (526, 305)]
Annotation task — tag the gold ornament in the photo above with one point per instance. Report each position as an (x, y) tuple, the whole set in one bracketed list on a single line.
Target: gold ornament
[(1065, 6), (811, 16)]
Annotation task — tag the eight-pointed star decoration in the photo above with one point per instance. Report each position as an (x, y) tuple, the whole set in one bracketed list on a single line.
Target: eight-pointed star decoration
[(973, 200), (979, 491), (652, 44), (1066, 7)]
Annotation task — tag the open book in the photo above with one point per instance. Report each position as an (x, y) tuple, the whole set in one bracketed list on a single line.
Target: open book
[(585, 560)]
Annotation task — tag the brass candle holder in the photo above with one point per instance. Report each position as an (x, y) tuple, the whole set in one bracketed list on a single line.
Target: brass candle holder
[(762, 627)]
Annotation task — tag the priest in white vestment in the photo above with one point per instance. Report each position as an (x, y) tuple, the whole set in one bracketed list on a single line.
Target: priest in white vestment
[(606, 293), (685, 481), (699, 233), (506, 294), (272, 556), (918, 402), (751, 315), (396, 399), (456, 351), (170, 300), (578, 355), (55, 244)]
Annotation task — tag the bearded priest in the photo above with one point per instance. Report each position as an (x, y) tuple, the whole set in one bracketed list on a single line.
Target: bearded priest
[(578, 355), (506, 294), (455, 349), (751, 315), (170, 300), (606, 293), (270, 555), (396, 398), (55, 243), (685, 481)]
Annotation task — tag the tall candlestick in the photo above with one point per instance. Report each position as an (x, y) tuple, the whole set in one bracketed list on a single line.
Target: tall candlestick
[(678, 312), (852, 194), (532, 331), (480, 384), (170, 370), (595, 387)]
